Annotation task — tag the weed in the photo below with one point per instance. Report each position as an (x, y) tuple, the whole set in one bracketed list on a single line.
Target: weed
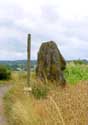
[(39, 91)]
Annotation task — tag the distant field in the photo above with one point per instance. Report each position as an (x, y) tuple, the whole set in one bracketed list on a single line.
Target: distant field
[(18, 65), (72, 100)]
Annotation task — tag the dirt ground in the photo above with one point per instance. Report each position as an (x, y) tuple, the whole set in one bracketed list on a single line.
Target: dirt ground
[(3, 90)]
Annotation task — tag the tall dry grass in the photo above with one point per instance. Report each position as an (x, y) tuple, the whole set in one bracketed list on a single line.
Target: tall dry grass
[(68, 107)]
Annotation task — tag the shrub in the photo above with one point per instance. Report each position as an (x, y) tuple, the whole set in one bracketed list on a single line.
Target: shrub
[(78, 62), (5, 73), (76, 72)]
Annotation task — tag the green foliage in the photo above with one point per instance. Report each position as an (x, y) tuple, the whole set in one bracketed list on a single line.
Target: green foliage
[(76, 72), (19, 64), (78, 61), (5, 73), (40, 91)]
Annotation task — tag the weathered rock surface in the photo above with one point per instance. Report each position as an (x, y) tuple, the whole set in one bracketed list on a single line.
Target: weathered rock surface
[(50, 63)]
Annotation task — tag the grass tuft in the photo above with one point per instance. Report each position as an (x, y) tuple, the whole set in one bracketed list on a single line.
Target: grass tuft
[(39, 91)]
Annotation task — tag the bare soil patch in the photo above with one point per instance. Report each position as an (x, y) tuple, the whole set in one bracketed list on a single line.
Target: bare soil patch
[(3, 90)]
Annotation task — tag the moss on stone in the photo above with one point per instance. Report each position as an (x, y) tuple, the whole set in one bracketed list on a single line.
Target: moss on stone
[(50, 62)]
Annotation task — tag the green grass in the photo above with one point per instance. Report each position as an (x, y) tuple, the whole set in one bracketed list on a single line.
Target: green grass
[(76, 72)]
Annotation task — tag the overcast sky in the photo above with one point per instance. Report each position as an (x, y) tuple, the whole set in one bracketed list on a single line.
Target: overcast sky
[(63, 21)]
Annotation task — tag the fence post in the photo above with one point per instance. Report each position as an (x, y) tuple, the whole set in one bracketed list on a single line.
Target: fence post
[(28, 59)]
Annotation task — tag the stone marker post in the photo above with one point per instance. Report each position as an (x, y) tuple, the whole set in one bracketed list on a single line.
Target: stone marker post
[(28, 58), (28, 88)]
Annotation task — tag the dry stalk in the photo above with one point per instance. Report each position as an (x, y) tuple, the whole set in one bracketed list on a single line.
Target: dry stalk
[(58, 110)]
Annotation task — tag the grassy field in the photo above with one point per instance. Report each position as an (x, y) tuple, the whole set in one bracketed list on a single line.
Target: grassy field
[(49, 104)]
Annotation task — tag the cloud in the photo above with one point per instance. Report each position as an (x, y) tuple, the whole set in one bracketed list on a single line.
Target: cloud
[(65, 22)]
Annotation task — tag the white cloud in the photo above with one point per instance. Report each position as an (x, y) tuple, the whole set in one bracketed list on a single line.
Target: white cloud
[(65, 22)]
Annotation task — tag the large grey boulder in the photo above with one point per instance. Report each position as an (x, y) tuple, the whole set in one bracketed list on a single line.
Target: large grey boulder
[(50, 63)]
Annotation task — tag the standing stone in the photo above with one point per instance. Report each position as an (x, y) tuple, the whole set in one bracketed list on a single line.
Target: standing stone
[(50, 63)]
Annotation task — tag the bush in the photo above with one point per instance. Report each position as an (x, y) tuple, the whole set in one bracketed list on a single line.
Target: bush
[(76, 72), (5, 73), (78, 62)]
